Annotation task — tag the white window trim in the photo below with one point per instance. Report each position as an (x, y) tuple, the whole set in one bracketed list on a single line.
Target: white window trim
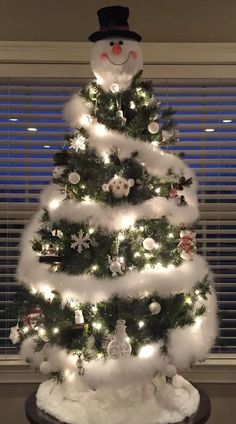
[(162, 60)]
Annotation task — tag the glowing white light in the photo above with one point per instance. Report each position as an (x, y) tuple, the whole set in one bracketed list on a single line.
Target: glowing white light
[(198, 323), (97, 325), (32, 129), (106, 159), (137, 254), (73, 303), (141, 228), (56, 330), (155, 144), (209, 130), (46, 146), (100, 130), (94, 268), (158, 190), (87, 199), (47, 292), (171, 235), (42, 331), (146, 351), (188, 300), (147, 255), (157, 246), (132, 105), (82, 186), (197, 292), (142, 163), (141, 324), (122, 259), (13, 119), (127, 221), (227, 121), (100, 355), (54, 203), (121, 237), (94, 309), (99, 80), (25, 330), (91, 230), (33, 291)]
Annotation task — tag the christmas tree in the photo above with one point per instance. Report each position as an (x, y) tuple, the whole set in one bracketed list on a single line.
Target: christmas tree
[(115, 298)]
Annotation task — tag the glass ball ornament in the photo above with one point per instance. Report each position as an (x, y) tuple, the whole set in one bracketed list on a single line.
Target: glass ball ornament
[(74, 178), (153, 127), (149, 243), (115, 88), (155, 308)]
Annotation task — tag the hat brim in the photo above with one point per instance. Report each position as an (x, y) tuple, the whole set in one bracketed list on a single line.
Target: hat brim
[(100, 35)]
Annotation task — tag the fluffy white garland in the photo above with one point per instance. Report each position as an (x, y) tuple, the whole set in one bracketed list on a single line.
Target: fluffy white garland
[(117, 217), (87, 287)]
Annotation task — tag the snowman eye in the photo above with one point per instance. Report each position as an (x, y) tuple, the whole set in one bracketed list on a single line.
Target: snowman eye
[(121, 42), (112, 43)]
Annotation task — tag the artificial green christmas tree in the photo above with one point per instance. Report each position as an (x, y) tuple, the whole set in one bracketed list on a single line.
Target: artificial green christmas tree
[(115, 297)]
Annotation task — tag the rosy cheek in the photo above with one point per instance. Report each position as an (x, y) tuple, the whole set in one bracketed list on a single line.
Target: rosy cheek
[(134, 54), (103, 56)]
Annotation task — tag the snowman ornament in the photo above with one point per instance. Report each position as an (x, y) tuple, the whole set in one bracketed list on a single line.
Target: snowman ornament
[(116, 56), (118, 186), (116, 265)]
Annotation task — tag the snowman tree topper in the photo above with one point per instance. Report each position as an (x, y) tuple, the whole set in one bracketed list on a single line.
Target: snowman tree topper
[(116, 56)]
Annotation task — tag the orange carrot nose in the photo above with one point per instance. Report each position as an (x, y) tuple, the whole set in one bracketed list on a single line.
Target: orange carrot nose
[(116, 49)]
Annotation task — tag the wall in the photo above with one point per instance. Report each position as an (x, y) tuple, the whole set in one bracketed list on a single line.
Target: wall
[(156, 20), (12, 398)]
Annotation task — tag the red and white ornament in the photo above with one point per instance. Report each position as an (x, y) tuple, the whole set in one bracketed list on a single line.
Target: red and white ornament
[(153, 127), (118, 186), (187, 244), (34, 317)]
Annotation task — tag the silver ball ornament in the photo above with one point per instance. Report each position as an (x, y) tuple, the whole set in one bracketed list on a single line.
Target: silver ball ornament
[(74, 177), (155, 308), (115, 88), (153, 127), (149, 243)]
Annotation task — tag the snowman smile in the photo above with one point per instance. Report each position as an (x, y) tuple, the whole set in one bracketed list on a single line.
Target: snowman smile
[(121, 63)]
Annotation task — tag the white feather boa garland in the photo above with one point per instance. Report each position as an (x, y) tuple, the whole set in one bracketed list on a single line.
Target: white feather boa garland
[(117, 217), (85, 287)]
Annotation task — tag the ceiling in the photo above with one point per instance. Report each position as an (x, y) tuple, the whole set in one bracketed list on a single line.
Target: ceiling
[(156, 20)]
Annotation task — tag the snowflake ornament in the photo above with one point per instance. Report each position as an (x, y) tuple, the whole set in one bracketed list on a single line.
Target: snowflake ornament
[(15, 334), (80, 241), (78, 143)]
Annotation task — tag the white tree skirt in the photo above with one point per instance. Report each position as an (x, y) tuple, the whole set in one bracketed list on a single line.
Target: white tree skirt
[(156, 403)]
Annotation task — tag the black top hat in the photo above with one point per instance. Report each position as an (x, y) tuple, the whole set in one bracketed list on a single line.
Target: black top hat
[(113, 22)]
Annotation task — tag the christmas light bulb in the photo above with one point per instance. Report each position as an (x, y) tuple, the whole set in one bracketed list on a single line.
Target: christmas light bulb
[(97, 325), (54, 203), (197, 292), (137, 254), (157, 190), (82, 186), (122, 259), (25, 330), (121, 237), (188, 300), (141, 324), (146, 351), (94, 309), (141, 228), (100, 355), (132, 105), (106, 159), (42, 331), (56, 330), (100, 130), (157, 246), (171, 235), (87, 198), (91, 230), (94, 268)]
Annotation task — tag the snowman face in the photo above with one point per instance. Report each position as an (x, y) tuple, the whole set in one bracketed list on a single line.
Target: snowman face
[(116, 60)]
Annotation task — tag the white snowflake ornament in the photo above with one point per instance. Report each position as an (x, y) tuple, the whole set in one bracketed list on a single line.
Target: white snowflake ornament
[(58, 171), (15, 334), (118, 186), (80, 241), (78, 143)]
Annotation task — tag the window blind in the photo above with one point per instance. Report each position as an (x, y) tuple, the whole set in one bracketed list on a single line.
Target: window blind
[(31, 130)]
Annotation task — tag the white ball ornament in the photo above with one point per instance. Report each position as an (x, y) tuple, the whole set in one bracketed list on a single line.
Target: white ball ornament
[(74, 177), (115, 88), (155, 308), (149, 243), (153, 127)]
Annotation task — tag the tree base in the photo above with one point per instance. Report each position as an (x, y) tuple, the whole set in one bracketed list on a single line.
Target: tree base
[(155, 403)]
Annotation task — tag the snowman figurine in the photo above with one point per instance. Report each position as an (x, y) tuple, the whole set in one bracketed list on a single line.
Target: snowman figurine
[(118, 186), (116, 56), (116, 265)]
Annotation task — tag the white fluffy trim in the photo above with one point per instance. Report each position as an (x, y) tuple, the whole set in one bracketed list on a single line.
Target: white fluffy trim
[(76, 110), (118, 217), (86, 287), (156, 403)]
